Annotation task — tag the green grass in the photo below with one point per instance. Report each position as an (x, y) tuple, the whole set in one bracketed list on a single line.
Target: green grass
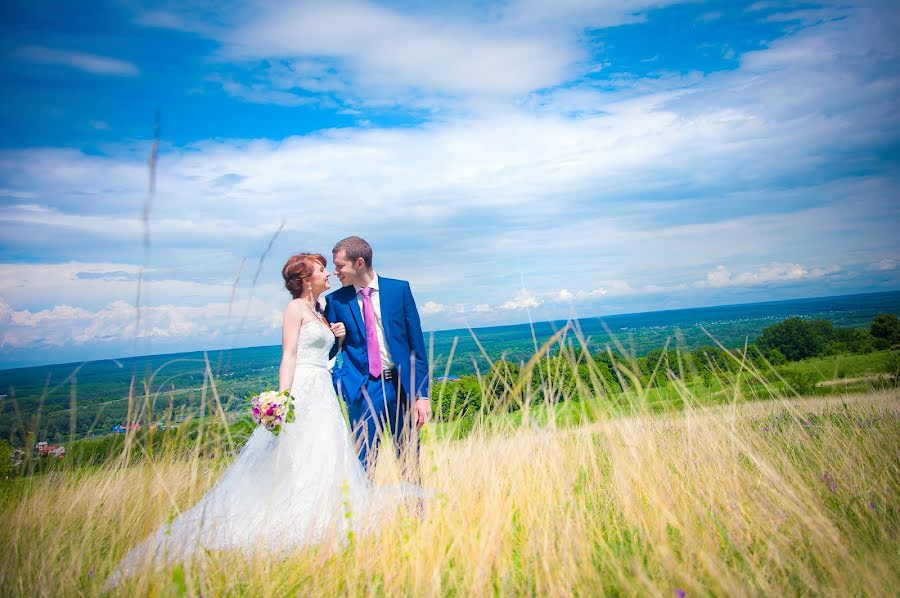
[(586, 404), (836, 367)]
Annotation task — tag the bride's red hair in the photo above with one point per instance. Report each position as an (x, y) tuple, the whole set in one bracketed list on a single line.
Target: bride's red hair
[(298, 269)]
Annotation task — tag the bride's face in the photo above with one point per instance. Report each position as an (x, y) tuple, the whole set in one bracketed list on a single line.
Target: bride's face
[(319, 279)]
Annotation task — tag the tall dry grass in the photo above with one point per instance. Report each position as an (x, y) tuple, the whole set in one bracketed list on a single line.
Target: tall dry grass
[(784, 496)]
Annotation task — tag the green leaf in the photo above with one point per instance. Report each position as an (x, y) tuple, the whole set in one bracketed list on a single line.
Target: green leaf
[(179, 581), (289, 418)]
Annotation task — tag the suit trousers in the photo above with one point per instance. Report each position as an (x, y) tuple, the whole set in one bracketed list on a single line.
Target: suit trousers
[(384, 410)]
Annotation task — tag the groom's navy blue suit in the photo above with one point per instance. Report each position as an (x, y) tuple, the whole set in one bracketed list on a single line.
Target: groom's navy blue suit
[(373, 403)]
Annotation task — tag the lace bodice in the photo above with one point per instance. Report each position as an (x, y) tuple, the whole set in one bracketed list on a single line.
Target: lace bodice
[(314, 345)]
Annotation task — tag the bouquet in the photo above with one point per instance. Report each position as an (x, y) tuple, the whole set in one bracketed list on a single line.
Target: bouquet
[(271, 409)]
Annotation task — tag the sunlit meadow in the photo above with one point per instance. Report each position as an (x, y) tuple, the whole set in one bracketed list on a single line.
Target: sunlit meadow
[(751, 496)]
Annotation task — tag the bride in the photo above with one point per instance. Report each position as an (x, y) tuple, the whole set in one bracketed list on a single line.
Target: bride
[(302, 487)]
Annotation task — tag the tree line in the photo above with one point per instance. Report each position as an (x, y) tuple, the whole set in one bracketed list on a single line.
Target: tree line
[(571, 371)]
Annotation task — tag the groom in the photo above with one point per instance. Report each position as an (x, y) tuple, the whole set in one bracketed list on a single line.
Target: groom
[(384, 375)]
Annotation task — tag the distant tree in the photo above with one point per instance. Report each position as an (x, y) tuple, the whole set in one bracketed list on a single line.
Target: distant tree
[(600, 371), (6, 457), (497, 384), (763, 359), (801, 382), (849, 340), (553, 378), (454, 398), (713, 360), (797, 338), (665, 362), (775, 357), (885, 328), (893, 368), (606, 365)]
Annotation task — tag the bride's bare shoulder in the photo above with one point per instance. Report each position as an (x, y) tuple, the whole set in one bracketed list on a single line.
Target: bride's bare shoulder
[(294, 308)]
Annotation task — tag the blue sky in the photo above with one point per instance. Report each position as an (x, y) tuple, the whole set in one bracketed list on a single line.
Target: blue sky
[(558, 159)]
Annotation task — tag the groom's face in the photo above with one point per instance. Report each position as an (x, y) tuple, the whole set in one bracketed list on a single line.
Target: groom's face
[(346, 271)]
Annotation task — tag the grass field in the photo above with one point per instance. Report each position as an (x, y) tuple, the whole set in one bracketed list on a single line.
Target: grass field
[(577, 403), (785, 496)]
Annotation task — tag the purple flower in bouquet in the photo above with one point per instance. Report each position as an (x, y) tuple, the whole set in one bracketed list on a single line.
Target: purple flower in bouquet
[(271, 409)]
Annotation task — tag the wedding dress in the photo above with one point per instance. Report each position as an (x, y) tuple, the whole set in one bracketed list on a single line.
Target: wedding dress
[(282, 491)]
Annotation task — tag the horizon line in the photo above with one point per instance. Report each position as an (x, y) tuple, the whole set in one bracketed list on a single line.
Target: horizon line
[(449, 330)]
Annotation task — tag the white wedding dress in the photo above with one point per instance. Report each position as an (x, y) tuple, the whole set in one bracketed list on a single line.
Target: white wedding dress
[(284, 491)]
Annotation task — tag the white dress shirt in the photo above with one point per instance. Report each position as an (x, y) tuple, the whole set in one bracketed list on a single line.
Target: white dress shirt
[(386, 361)]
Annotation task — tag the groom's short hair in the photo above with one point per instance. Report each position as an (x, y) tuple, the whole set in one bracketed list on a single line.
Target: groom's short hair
[(355, 248)]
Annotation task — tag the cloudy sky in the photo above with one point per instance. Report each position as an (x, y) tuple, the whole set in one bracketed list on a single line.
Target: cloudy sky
[(575, 157)]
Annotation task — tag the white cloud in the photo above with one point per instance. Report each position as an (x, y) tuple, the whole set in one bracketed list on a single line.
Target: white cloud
[(90, 63), (578, 14), (594, 294), (719, 277), (805, 16), (619, 287), (772, 273), (372, 53), (117, 323), (481, 308), (382, 49), (885, 264), (6, 311), (613, 287), (524, 299), (763, 5), (261, 93), (165, 20), (572, 154), (92, 285), (129, 228), (431, 308), (711, 16)]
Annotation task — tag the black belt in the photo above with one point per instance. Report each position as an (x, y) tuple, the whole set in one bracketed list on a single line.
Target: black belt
[(387, 374)]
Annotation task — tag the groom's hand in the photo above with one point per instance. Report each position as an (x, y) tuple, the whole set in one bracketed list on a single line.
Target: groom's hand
[(422, 408)]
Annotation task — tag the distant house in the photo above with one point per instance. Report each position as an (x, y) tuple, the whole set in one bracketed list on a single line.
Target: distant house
[(47, 450)]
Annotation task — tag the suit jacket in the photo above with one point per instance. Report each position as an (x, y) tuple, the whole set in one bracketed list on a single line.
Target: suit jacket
[(402, 333)]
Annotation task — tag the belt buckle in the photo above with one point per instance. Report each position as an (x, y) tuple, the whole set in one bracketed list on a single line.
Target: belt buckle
[(387, 374)]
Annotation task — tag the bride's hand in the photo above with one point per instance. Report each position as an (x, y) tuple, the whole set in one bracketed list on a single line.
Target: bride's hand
[(339, 330)]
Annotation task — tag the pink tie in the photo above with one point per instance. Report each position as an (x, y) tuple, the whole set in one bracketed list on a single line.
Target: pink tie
[(375, 368)]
